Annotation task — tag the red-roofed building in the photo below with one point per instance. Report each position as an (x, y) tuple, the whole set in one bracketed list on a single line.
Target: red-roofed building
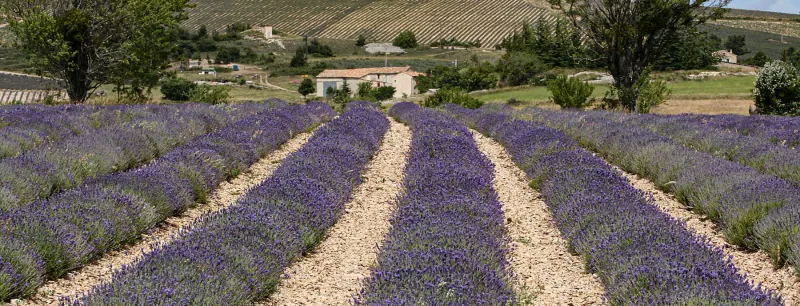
[(403, 79)]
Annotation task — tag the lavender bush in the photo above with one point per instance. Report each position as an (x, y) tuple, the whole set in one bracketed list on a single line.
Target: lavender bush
[(753, 209), (47, 238), (447, 244), (642, 255), (47, 170), (237, 256)]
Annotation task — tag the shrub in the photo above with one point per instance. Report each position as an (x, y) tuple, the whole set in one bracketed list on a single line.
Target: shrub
[(406, 40), (760, 59), (306, 87), (570, 92), (454, 96), (651, 94), (384, 93), (777, 89), (210, 94), (177, 89)]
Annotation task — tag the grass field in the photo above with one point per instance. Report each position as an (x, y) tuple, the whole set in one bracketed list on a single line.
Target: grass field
[(734, 88), (756, 41)]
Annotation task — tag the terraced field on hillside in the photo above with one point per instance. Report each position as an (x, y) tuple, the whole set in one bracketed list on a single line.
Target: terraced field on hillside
[(487, 21)]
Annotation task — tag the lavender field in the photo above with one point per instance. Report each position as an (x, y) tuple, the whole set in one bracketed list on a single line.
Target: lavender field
[(193, 204)]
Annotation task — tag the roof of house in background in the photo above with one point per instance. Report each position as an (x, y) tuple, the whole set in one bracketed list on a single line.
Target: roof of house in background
[(362, 72)]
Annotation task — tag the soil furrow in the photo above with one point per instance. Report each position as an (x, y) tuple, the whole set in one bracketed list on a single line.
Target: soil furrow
[(546, 273), (226, 194), (332, 274), (757, 266)]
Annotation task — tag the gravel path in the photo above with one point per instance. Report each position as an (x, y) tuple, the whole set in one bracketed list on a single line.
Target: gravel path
[(226, 194), (547, 274), (334, 272), (756, 265)]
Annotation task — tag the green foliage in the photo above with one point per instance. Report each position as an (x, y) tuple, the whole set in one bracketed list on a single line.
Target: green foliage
[(299, 59), (177, 89), (340, 97), (406, 40), (210, 94), (737, 43), (227, 55), (361, 40), (570, 92), (692, 50), (475, 76), (760, 59), (89, 43), (520, 68), (455, 96), (307, 87), (367, 93), (633, 35), (652, 93), (319, 50), (777, 89), (791, 56), (557, 45)]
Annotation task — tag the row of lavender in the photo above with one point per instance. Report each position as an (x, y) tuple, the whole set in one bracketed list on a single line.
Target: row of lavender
[(756, 211), (776, 129), (447, 244), (24, 127), (642, 255), (237, 256), (47, 170), (756, 152), (47, 238)]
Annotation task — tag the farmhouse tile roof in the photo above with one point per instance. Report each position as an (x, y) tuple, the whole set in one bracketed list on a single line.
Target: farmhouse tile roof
[(359, 73)]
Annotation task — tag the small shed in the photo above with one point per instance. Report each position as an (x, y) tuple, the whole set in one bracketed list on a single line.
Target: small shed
[(208, 71)]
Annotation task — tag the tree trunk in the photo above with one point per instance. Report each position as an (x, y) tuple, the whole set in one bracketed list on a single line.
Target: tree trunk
[(626, 75)]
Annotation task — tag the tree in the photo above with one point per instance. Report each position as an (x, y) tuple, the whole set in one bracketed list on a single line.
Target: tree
[(406, 40), (227, 55), (760, 59), (632, 35), (691, 50), (737, 44), (202, 32), (791, 56), (177, 89), (306, 87), (299, 59), (518, 68), (361, 41), (90, 43)]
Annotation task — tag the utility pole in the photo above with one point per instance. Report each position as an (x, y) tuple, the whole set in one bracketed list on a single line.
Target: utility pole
[(386, 59)]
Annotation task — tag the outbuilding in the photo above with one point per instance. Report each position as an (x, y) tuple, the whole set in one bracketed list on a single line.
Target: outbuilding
[(403, 79)]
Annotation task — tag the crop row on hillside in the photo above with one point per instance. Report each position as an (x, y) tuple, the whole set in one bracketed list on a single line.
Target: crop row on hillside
[(642, 255), (754, 210), (48, 238), (237, 255), (487, 21), (787, 28), (447, 244)]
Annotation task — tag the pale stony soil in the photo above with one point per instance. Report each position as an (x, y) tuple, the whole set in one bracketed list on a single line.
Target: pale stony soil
[(227, 194), (333, 273), (756, 266), (547, 274)]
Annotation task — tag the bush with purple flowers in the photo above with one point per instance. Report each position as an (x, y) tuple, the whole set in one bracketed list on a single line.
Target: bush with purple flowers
[(47, 238), (447, 244), (642, 255), (142, 134), (237, 256)]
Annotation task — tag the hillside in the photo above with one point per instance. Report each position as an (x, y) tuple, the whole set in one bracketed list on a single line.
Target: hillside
[(379, 20)]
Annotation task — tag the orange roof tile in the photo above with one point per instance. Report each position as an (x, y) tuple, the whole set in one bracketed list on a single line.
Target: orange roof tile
[(359, 73)]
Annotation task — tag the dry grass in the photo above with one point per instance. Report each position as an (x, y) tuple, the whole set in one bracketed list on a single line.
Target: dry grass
[(710, 107)]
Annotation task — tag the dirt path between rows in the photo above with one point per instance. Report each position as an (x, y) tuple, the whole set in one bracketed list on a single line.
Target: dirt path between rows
[(757, 266), (547, 274), (334, 272), (226, 195)]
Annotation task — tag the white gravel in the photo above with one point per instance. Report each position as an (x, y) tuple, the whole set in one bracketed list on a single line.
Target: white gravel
[(333, 273)]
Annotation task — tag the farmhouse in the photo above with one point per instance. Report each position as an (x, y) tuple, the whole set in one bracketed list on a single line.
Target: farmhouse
[(726, 56), (403, 79)]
